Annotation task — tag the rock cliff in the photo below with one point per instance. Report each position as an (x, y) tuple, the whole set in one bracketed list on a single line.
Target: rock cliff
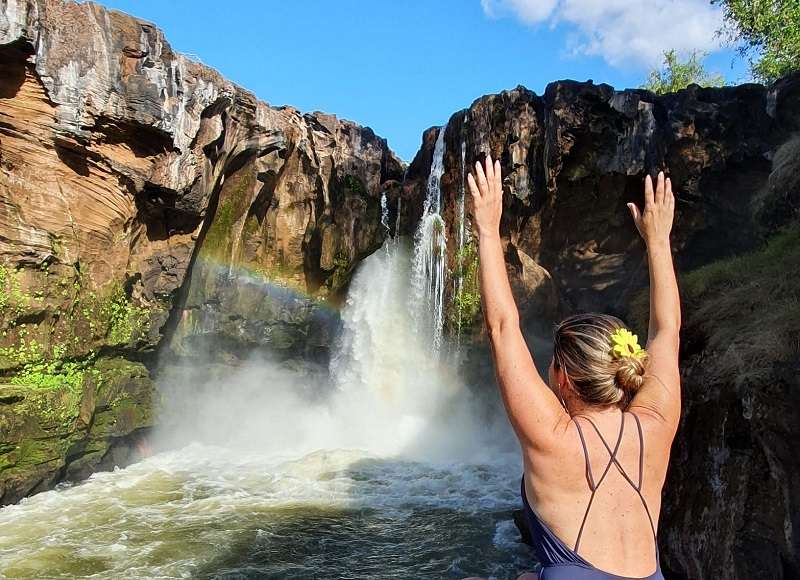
[(572, 158), (115, 153), (575, 156)]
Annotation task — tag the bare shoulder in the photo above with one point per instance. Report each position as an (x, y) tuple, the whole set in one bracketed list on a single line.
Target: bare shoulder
[(658, 431), (554, 441)]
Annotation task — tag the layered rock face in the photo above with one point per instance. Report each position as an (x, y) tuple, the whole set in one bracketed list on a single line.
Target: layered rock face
[(289, 226), (115, 152), (572, 159)]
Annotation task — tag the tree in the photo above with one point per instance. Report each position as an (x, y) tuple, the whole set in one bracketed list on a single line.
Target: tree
[(675, 74), (768, 34)]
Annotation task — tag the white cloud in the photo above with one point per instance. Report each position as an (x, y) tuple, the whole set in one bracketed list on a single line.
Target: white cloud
[(529, 11), (622, 32)]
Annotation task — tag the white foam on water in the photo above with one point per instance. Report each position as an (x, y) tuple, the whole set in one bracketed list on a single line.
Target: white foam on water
[(394, 431)]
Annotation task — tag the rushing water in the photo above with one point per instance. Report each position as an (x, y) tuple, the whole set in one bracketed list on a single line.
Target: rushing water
[(463, 237), (391, 469), (430, 256)]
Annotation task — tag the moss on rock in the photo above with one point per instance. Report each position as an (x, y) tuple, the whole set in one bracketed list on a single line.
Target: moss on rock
[(59, 431)]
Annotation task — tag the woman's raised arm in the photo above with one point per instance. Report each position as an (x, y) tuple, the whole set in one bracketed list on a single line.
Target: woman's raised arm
[(533, 409), (660, 394)]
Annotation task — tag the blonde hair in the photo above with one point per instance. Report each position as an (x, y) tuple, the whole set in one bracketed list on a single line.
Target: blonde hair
[(582, 348)]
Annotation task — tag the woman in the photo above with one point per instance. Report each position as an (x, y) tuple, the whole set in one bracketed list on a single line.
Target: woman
[(596, 435)]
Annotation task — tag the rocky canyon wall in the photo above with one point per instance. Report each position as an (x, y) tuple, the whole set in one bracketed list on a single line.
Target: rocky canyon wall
[(572, 158), (119, 160)]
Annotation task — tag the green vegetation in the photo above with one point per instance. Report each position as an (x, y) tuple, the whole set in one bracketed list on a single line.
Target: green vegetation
[(676, 74), (48, 422), (26, 351), (341, 268), (232, 205), (778, 260), (46, 370), (467, 299), (767, 32), (55, 374), (354, 184), (125, 321), (743, 311), (13, 300), (58, 351), (3, 287)]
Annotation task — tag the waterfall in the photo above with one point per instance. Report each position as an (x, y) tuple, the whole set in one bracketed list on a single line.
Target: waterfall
[(391, 392), (458, 283), (429, 266), (385, 213), (397, 220)]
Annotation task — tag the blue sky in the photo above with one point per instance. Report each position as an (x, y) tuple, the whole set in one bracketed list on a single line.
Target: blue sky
[(400, 66)]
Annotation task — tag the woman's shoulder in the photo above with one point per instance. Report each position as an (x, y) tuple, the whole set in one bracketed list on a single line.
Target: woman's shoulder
[(575, 438), (657, 429)]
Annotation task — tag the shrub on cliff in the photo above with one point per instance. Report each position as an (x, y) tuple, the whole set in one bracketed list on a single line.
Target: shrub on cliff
[(677, 74), (762, 284), (767, 32)]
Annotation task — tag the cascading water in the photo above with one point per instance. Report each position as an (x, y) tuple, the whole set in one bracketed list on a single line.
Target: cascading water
[(399, 396), (397, 220), (430, 255), (385, 213), (458, 284), (282, 477)]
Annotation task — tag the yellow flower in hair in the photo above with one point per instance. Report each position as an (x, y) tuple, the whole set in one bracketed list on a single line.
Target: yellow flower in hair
[(625, 343)]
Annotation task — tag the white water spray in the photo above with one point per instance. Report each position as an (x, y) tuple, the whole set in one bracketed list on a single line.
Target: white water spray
[(392, 391), (430, 256), (458, 283), (385, 213)]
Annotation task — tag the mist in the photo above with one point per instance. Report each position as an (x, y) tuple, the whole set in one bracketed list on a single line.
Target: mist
[(389, 393)]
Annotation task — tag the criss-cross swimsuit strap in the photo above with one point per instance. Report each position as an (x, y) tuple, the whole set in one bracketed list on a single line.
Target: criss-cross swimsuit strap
[(613, 461)]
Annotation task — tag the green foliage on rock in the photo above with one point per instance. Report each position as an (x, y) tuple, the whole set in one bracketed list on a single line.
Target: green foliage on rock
[(55, 373), (762, 284), (676, 74), (53, 430), (125, 322), (73, 320), (467, 297), (43, 368), (779, 259), (341, 270), (354, 184), (13, 301), (767, 32)]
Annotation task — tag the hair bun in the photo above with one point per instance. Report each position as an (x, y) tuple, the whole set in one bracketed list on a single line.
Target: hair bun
[(630, 373)]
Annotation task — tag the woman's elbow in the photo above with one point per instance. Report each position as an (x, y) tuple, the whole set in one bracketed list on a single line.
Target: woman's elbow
[(498, 326)]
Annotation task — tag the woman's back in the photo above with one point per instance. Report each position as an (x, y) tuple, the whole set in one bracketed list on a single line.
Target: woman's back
[(612, 528), (593, 472)]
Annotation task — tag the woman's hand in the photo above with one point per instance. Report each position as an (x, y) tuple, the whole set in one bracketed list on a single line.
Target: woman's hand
[(655, 223), (487, 197)]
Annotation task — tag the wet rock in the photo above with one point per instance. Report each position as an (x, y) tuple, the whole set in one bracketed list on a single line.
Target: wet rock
[(289, 228), (575, 156), (49, 433)]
